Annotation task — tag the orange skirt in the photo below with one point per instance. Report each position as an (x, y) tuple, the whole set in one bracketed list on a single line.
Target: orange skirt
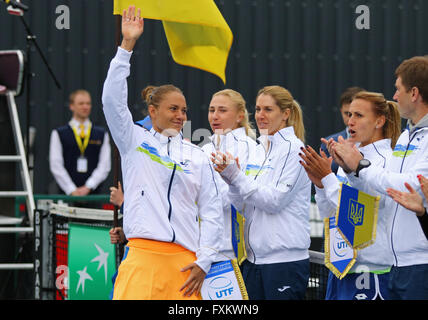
[(151, 271)]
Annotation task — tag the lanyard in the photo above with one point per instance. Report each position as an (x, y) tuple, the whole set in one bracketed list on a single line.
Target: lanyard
[(82, 144)]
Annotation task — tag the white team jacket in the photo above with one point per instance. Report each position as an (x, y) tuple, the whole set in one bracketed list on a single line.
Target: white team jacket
[(409, 159), (378, 256), (168, 182), (242, 146), (277, 196)]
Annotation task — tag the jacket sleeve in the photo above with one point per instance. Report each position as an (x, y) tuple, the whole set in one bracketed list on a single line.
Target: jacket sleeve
[(211, 217), (56, 165), (115, 101), (328, 197), (424, 223), (378, 179), (243, 153), (269, 197)]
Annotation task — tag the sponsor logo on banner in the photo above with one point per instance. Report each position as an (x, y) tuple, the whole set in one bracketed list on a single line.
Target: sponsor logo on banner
[(220, 288), (340, 247), (91, 263), (339, 256), (224, 282)]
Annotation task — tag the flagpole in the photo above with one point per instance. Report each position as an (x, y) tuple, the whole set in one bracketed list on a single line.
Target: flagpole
[(118, 23), (116, 158)]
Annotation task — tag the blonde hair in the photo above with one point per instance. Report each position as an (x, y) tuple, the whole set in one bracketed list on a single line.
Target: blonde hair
[(284, 100), (240, 104), (389, 109), (77, 92)]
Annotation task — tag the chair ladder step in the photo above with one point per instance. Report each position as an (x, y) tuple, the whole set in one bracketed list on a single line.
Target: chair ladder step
[(16, 266)]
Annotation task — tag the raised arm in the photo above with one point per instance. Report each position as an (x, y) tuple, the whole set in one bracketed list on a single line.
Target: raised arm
[(115, 90), (132, 28)]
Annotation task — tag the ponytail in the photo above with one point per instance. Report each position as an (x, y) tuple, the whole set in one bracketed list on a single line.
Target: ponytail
[(392, 127), (249, 130), (296, 120)]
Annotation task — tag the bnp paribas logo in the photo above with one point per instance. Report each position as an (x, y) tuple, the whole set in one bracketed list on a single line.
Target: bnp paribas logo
[(355, 213), (101, 258), (91, 263)]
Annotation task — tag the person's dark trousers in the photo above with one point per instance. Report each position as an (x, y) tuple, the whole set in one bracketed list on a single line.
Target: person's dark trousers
[(276, 281), (409, 283)]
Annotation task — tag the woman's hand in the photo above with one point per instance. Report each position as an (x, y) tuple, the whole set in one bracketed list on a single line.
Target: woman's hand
[(222, 160), (195, 280), (132, 28), (116, 195), (226, 165), (317, 167), (346, 154), (410, 200), (117, 236), (424, 185)]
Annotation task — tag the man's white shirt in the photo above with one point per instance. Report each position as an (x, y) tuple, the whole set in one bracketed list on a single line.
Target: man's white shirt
[(56, 160)]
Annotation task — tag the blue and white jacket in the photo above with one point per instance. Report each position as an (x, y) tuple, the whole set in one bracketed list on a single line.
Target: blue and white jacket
[(237, 143), (170, 192), (277, 194), (409, 159), (378, 256)]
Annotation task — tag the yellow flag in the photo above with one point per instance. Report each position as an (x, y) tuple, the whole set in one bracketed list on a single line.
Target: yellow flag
[(197, 33), (238, 241)]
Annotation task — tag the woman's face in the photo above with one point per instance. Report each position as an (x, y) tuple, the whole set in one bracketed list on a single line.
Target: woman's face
[(269, 117), (223, 116), (364, 125), (169, 117)]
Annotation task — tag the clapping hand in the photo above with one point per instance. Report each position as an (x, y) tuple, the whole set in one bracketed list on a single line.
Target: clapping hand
[(317, 166), (411, 200)]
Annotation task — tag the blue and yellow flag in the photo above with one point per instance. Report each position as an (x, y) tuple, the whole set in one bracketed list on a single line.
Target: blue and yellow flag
[(356, 216), (197, 33), (238, 243)]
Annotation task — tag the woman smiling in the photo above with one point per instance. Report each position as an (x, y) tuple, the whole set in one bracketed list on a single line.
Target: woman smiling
[(277, 194)]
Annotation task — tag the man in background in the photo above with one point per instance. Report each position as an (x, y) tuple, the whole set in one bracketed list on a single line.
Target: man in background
[(79, 152)]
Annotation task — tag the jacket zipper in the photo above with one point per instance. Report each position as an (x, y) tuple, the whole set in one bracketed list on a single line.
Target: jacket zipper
[(396, 208), (267, 156), (169, 193)]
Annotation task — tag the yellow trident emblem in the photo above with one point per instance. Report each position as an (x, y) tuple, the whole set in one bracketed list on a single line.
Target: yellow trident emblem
[(355, 213)]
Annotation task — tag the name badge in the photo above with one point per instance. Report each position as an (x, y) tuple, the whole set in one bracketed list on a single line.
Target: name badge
[(82, 165)]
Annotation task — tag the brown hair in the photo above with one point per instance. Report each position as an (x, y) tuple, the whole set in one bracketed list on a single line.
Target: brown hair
[(239, 103), (381, 107), (152, 95), (75, 93), (348, 94), (414, 73), (285, 100)]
